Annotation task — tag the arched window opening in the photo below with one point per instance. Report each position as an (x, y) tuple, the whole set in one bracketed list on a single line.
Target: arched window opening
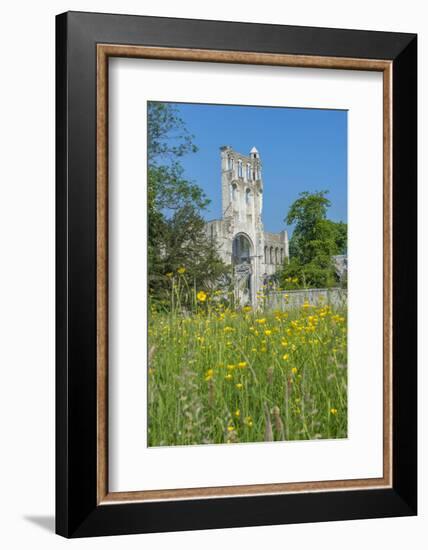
[(282, 255), (247, 197), (276, 256), (241, 249), (239, 168), (271, 254), (266, 254), (248, 172), (234, 191)]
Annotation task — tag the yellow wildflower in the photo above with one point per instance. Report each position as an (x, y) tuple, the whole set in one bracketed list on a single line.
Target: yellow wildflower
[(261, 321), (170, 274), (239, 386), (230, 428), (268, 332), (286, 356), (242, 364), (248, 421), (201, 296), (209, 374), (181, 270), (333, 411), (228, 377), (294, 370), (237, 413)]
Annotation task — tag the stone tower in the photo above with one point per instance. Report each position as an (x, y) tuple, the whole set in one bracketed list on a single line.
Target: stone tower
[(254, 254)]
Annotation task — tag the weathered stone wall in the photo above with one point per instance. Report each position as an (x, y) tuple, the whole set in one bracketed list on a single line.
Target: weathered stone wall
[(291, 299), (275, 251)]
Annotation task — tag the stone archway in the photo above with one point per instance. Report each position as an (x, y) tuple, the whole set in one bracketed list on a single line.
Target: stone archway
[(242, 260)]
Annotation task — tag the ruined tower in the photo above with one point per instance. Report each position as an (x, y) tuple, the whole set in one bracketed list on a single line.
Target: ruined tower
[(253, 253)]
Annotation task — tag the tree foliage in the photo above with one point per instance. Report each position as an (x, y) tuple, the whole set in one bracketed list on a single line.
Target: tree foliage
[(314, 242), (176, 232)]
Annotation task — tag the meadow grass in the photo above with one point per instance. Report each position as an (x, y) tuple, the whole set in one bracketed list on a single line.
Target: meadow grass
[(220, 375)]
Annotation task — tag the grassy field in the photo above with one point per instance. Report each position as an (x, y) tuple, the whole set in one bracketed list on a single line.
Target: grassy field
[(217, 375)]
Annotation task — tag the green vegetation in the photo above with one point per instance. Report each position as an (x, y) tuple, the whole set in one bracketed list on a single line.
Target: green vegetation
[(218, 375), (176, 227), (314, 242)]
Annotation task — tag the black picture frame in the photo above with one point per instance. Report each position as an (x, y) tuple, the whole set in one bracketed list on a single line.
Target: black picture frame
[(77, 512)]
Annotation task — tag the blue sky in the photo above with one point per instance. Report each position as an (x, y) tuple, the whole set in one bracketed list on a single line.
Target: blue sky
[(300, 150)]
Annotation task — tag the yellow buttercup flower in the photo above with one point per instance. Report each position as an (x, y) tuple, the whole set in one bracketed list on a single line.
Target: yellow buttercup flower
[(242, 364), (201, 296), (237, 413), (294, 370), (170, 274), (285, 357), (209, 374), (248, 421), (333, 411), (230, 428), (181, 270), (268, 332), (228, 377), (239, 386)]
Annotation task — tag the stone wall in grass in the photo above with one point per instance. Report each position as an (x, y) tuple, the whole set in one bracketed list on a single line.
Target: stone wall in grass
[(290, 299)]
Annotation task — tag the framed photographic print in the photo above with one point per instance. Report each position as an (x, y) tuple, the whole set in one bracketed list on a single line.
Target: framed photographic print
[(236, 274)]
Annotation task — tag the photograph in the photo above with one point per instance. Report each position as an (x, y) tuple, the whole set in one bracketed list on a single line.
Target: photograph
[(247, 274)]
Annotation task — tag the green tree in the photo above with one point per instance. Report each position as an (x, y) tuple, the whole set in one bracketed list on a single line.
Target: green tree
[(176, 235), (314, 242)]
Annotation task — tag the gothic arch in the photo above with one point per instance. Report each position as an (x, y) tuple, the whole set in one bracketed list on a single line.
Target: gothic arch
[(242, 248)]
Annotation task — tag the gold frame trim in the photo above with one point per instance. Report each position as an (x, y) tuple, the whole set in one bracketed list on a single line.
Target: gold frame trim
[(104, 51)]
